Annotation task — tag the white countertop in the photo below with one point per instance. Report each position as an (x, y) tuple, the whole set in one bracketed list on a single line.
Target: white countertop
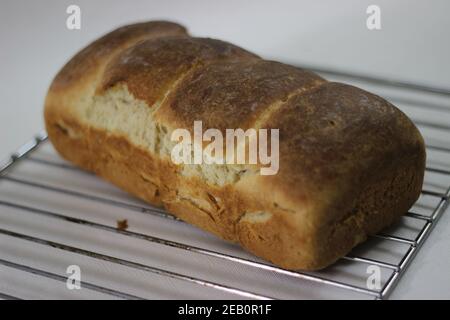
[(411, 46)]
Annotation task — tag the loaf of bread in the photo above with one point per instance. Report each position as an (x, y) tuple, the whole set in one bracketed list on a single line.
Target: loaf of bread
[(350, 163)]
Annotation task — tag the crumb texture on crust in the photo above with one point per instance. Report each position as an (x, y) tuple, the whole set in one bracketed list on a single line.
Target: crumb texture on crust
[(350, 162)]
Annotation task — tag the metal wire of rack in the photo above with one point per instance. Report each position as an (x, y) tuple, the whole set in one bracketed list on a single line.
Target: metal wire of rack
[(396, 269)]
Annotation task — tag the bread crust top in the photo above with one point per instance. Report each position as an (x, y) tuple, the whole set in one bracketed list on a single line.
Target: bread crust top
[(152, 67), (89, 59)]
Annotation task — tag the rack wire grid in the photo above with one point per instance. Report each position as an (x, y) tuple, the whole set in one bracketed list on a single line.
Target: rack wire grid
[(53, 215)]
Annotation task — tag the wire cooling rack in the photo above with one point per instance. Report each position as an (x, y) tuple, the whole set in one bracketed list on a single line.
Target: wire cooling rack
[(53, 215)]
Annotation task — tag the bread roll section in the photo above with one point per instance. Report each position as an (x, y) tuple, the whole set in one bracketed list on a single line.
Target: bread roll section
[(350, 162)]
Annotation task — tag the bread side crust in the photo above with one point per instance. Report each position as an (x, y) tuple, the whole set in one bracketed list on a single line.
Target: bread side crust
[(279, 236)]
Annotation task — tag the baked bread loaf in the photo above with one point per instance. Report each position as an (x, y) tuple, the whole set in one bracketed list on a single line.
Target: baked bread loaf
[(350, 163)]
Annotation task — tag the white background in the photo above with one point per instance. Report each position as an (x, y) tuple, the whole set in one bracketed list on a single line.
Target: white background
[(412, 46)]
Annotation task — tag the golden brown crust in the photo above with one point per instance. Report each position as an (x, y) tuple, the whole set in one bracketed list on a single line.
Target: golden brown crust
[(335, 137), (151, 67), (233, 94), (350, 162), (285, 239), (89, 59)]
